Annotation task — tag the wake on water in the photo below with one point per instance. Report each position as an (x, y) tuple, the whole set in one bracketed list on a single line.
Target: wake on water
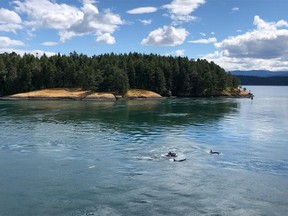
[(163, 157)]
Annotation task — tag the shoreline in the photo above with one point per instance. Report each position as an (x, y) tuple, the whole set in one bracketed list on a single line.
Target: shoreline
[(81, 95), (132, 94)]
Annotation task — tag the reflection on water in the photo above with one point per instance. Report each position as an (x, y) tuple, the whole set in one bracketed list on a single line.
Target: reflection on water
[(108, 158), (155, 112)]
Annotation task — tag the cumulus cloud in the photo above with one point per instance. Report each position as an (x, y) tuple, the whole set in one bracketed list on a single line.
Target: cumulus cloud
[(232, 63), (10, 21), (166, 36), (7, 42), (93, 23), (181, 10), (44, 13), (269, 26), (265, 47), (106, 38), (268, 40), (142, 10), (70, 21), (204, 41)]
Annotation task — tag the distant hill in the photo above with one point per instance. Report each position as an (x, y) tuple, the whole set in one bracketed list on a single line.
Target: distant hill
[(256, 80), (261, 77), (259, 73)]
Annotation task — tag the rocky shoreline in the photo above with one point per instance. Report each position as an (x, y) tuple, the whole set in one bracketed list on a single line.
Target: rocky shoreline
[(87, 95), (79, 94), (236, 93)]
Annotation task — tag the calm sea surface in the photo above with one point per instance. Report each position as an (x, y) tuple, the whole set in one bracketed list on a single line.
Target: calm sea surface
[(107, 158)]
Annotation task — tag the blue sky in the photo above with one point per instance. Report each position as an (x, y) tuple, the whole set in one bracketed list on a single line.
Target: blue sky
[(236, 34)]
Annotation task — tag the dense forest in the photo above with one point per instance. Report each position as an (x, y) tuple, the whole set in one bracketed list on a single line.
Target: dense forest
[(166, 75)]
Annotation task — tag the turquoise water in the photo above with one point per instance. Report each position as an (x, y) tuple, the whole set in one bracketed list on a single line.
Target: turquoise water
[(107, 158)]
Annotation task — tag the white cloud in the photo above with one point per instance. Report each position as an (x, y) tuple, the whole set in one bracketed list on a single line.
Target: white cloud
[(269, 26), (22, 52), (44, 13), (231, 63), (180, 52), (267, 41), (106, 38), (142, 10), (9, 21), (166, 36), (93, 23), (49, 43), (70, 21), (204, 41), (265, 47), (176, 53), (146, 22), (180, 10), (7, 42), (234, 9)]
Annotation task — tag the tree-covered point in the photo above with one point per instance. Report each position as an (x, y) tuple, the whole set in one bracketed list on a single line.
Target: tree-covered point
[(166, 75)]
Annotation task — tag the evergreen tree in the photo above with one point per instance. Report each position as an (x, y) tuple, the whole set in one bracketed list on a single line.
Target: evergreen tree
[(116, 73)]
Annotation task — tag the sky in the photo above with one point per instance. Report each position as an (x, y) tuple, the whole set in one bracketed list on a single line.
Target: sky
[(236, 34)]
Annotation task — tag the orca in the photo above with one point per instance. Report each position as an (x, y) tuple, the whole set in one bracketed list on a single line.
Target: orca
[(214, 152), (171, 154), (173, 157), (180, 160)]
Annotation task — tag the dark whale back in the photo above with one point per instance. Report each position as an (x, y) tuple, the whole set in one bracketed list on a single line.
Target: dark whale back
[(171, 154), (214, 152)]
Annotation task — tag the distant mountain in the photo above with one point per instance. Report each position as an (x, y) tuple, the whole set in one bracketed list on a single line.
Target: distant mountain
[(259, 73), (271, 80)]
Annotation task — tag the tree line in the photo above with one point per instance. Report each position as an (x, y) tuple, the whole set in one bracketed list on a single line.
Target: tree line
[(166, 75)]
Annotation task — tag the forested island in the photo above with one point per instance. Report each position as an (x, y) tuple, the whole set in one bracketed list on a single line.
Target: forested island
[(116, 73)]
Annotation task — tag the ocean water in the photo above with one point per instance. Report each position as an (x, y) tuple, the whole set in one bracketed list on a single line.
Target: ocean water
[(108, 158)]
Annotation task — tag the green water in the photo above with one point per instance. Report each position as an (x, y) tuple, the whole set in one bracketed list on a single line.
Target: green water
[(108, 158)]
